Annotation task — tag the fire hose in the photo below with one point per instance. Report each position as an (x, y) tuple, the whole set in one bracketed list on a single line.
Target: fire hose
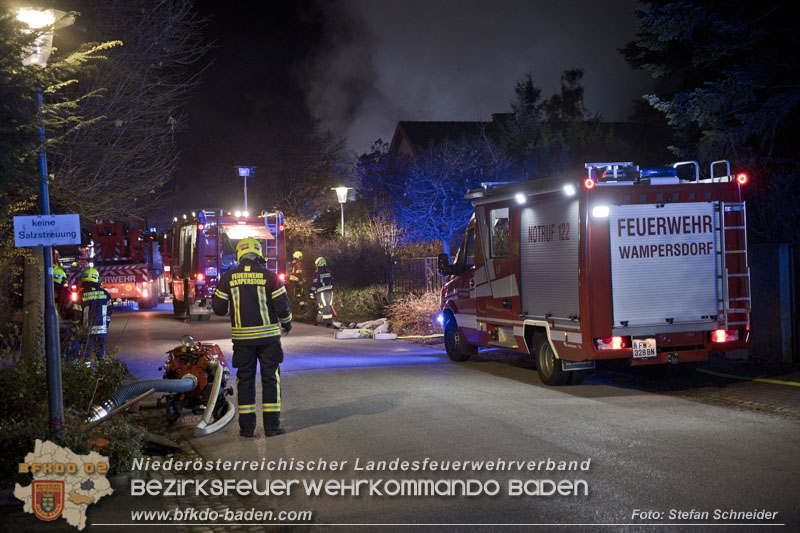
[(118, 397)]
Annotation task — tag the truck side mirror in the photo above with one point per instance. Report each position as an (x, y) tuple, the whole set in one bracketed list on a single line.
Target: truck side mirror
[(443, 265)]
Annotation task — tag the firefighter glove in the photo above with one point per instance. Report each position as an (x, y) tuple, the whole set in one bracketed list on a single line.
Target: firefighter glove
[(287, 328)]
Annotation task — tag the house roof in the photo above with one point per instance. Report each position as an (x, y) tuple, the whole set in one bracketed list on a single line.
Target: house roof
[(411, 137)]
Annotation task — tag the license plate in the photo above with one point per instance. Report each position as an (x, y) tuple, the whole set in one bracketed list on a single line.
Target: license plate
[(644, 348)]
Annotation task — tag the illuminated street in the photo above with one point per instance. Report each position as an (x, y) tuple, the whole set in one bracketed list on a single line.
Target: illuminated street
[(370, 400)]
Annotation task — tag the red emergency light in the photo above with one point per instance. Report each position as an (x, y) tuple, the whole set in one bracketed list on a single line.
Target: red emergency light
[(282, 276), (74, 296), (281, 227), (201, 227), (741, 178), (720, 335), (588, 183), (145, 293), (200, 277)]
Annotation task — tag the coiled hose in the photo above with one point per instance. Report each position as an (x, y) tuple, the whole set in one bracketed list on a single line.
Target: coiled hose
[(119, 396)]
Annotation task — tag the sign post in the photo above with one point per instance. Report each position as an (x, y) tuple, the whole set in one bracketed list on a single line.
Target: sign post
[(47, 231), (245, 172)]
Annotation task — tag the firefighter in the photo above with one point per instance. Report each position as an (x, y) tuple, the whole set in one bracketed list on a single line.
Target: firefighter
[(61, 292), (259, 308), (92, 313), (297, 280), (322, 292)]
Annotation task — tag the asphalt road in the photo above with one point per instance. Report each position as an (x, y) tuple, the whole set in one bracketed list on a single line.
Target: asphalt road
[(379, 400)]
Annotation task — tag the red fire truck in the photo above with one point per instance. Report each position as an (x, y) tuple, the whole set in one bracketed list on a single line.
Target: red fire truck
[(647, 266), (204, 247), (127, 258)]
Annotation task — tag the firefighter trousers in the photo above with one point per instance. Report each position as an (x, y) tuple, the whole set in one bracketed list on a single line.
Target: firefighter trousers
[(245, 360), (324, 307), (299, 293)]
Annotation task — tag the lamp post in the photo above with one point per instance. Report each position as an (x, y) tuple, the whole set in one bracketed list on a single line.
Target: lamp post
[(341, 194), (49, 20), (245, 172)]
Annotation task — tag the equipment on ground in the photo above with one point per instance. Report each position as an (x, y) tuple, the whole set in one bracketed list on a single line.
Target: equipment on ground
[(196, 377), (646, 266), (204, 246)]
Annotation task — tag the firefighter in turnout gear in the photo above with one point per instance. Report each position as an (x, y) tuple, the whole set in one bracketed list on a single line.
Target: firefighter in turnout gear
[(91, 313), (322, 292), (298, 281), (259, 308), (62, 293)]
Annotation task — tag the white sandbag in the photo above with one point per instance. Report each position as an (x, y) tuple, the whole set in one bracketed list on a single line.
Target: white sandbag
[(385, 336), (383, 328), (350, 334), (337, 325)]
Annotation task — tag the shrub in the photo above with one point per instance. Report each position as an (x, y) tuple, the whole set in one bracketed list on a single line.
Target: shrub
[(25, 418), (359, 304), (415, 315)]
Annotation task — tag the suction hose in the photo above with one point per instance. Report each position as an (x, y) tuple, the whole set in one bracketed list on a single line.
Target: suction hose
[(119, 396)]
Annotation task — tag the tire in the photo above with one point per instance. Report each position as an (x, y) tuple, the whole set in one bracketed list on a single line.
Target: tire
[(549, 366), (145, 304), (178, 307), (576, 377), (457, 348)]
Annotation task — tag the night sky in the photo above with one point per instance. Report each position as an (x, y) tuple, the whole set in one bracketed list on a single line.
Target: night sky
[(360, 66)]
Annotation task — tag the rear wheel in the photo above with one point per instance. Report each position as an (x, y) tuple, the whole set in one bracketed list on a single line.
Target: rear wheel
[(454, 343), (576, 376), (549, 366)]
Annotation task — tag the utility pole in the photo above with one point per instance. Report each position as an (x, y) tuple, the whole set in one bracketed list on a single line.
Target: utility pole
[(245, 172)]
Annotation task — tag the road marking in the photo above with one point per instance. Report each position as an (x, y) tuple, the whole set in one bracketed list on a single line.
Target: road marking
[(761, 380)]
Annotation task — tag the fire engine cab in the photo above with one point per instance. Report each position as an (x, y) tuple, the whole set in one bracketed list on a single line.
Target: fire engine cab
[(204, 248), (644, 265)]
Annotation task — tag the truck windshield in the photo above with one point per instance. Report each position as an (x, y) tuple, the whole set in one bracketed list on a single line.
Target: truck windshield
[(233, 233)]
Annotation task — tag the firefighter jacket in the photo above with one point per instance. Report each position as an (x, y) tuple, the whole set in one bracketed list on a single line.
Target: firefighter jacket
[(258, 303), (296, 274), (92, 309), (323, 281)]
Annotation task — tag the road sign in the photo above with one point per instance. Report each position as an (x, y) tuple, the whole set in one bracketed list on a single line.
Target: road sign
[(47, 230)]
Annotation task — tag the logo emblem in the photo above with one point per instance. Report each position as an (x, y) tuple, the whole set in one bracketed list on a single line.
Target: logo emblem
[(48, 499)]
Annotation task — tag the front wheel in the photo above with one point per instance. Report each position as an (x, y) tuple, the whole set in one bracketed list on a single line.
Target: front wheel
[(457, 348), (548, 365)]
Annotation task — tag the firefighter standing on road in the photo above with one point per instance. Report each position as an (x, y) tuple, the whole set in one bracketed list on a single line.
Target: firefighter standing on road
[(259, 307), (92, 312), (298, 281), (322, 291)]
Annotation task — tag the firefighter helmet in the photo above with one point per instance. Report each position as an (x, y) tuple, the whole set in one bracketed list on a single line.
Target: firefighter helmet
[(298, 254), (90, 275), (59, 276), (249, 245), (320, 262)]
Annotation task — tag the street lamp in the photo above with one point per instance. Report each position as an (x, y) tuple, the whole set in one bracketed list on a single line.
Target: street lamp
[(341, 194), (45, 21)]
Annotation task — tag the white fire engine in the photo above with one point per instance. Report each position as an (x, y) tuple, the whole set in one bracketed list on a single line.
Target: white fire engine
[(621, 262)]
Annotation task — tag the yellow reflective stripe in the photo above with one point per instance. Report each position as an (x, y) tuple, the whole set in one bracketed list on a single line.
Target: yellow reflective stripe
[(271, 407), (286, 319), (237, 319), (327, 316), (251, 408), (219, 294), (262, 303), (278, 292), (278, 383)]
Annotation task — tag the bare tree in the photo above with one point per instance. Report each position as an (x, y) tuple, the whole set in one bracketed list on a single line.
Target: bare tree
[(116, 165)]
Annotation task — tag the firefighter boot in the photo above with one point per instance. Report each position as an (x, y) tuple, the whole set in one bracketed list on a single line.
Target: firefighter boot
[(274, 431)]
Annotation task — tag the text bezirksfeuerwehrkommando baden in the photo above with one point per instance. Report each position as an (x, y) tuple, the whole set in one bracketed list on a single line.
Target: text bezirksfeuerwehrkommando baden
[(358, 465), (379, 486)]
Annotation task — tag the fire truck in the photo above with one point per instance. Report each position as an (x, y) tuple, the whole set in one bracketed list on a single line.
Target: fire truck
[(127, 258), (204, 247), (645, 266)]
